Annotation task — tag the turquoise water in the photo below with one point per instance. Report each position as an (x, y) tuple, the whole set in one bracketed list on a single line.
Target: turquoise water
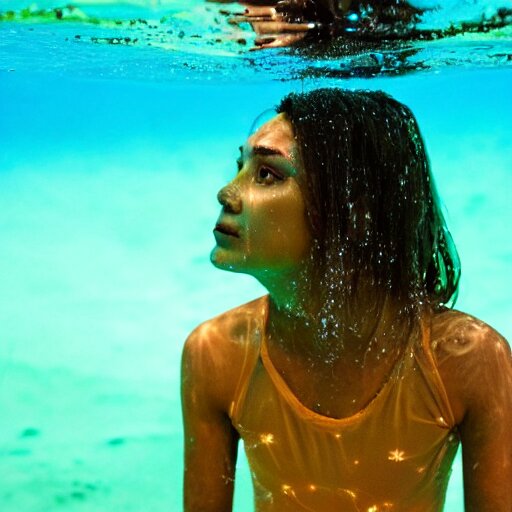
[(108, 180)]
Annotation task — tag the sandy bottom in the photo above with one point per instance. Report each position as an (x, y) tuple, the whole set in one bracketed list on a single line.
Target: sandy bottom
[(85, 443)]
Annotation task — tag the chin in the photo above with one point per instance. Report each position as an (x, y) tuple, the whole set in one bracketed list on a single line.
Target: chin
[(223, 259)]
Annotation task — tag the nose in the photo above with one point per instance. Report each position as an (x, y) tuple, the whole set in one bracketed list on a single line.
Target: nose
[(229, 198)]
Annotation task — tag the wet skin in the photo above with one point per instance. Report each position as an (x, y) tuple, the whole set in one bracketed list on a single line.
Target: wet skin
[(263, 231), (271, 21)]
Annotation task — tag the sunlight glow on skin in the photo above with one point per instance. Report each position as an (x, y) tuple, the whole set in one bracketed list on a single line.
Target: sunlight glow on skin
[(396, 456), (267, 438)]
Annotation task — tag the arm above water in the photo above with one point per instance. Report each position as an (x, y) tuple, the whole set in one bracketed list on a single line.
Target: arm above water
[(210, 439), (476, 367), (287, 22)]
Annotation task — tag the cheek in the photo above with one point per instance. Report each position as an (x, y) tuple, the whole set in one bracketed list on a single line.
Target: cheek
[(278, 225)]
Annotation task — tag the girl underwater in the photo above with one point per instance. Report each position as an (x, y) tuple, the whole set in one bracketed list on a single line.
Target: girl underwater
[(353, 381)]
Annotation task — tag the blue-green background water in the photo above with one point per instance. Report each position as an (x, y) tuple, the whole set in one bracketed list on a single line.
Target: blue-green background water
[(107, 202)]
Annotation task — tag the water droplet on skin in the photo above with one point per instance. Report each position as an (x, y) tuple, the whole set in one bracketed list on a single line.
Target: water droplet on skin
[(441, 421), (286, 488)]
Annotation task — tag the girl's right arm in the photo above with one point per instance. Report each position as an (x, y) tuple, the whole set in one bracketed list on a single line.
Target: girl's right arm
[(210, 440)]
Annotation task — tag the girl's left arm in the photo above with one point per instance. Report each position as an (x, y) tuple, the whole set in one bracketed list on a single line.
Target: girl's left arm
[(476, 367), (486, 430)]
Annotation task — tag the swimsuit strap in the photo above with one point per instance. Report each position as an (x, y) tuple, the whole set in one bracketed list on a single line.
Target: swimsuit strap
[(428, 364), (251, 353)]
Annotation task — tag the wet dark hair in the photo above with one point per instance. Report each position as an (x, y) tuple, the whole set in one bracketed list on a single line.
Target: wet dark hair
[(372, 203)]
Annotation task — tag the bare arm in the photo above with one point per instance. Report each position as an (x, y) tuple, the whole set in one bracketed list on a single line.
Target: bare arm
[(286, 22), (475, 363), (210, 440)]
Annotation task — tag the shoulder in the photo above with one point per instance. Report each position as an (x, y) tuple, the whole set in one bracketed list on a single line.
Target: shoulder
[(215, 350), (473, 359), (229, 331), (457, 334)]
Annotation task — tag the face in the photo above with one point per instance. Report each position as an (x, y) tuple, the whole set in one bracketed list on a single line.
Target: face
[(262, 228)]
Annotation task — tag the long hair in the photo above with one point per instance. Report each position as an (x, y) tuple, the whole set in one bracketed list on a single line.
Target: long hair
[(372, 203)]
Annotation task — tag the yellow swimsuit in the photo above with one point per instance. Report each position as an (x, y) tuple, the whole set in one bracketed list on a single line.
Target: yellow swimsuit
[(394, 455)]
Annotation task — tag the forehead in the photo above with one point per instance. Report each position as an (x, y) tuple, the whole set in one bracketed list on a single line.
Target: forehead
[(276, 134)]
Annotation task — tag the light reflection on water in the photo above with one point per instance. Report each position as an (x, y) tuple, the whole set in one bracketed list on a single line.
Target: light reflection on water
[(169, 40), (107, 191)]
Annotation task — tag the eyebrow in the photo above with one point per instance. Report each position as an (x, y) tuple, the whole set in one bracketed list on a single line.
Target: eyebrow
[(266, 151)]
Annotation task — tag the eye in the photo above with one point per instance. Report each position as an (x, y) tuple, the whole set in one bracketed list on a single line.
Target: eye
[(267, 176)]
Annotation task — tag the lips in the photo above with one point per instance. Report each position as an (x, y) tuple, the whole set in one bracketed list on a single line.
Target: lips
[(227, 229)]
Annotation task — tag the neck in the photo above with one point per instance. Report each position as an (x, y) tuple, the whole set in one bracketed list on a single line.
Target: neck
[(289, 292), (301, 325)]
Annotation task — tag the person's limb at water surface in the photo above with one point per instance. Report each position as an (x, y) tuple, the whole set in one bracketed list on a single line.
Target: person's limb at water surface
[(475, 366), (287, 22), (321, 20), (278, 35), (271, 26)]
